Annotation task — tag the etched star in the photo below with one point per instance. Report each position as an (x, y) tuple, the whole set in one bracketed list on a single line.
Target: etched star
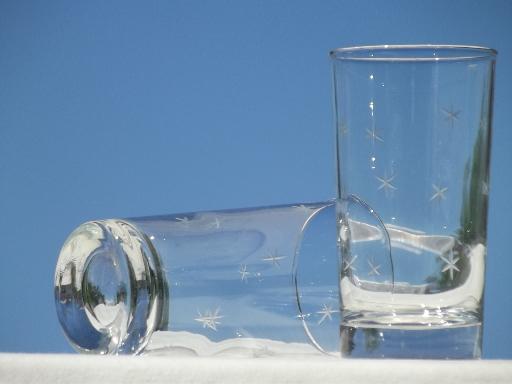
[(451, 115), (439, 193), (243, 272), (209, 319), (374, 269), (302, 208), (349, 264), (385, 183), (215, 223), (372, 135), (274, 258), (326, 313), (183, 220), (343, 129), (485, 188), (450, 264)]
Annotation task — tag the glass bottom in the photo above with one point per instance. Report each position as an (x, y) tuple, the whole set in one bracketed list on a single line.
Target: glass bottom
[(441, 335)]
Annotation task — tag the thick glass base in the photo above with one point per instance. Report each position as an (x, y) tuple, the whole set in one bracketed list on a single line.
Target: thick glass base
[(410, 336)]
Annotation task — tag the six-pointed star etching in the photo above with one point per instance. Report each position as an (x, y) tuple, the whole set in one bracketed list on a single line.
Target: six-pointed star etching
[(326, 313), (373, 136), (485, 188), (215, 223), (439, 193), (451, 115), (274, 257), (209, 319), (243, 272), (374, 269), (184, 220), (349, 264), (343, 129), (385, 183), (450, 262)]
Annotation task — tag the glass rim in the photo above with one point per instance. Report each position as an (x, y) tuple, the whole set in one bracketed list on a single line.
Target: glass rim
[(413, 53)]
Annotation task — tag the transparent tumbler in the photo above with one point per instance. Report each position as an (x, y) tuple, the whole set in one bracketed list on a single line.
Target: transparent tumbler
[(249, 282), (413, 139)]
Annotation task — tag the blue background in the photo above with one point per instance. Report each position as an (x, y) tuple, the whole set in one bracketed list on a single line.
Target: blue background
[(123, 108)]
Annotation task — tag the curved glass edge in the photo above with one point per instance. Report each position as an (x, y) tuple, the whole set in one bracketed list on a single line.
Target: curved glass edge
[(303, 313), (412, 53), (108, 288)]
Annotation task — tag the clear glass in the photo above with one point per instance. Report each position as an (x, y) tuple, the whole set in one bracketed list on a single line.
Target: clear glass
[(413, 144), (250, 282)]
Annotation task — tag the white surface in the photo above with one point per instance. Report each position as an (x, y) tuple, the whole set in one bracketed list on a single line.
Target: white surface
[(187, 344), (55, 369)]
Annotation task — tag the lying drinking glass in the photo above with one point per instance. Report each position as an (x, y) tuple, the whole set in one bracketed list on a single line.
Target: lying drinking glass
[(248, 282)]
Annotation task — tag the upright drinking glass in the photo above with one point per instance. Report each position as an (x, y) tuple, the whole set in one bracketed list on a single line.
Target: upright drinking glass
[(248, 282), (413, 144)]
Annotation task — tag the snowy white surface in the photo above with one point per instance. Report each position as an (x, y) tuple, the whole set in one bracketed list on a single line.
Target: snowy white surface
[(55, 369), (186, 344)]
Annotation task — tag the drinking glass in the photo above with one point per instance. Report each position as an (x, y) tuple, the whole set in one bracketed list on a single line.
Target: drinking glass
[(413, 145), (248, 282)]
